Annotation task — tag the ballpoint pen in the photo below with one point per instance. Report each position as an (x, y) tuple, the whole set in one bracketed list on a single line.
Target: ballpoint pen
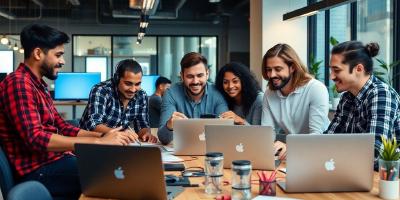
[(136, 140)]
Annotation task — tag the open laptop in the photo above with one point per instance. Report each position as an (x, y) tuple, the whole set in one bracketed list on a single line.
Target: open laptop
[(254, 143), (329, 163), (122, 172), (189, 137)]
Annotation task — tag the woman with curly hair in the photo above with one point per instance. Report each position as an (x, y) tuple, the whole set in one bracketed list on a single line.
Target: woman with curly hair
[(242, 93)]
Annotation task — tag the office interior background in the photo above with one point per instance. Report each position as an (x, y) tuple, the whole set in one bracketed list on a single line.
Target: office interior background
[(104, 32)]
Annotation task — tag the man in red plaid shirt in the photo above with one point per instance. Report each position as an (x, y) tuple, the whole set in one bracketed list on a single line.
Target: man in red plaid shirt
[(36, 140)]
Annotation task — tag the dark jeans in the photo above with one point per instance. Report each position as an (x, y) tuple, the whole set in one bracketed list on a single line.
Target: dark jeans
[(60, 177)]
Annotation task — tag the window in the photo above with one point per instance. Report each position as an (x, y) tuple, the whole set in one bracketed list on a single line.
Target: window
[(158, 55), (7, 61), (375, 23), (125, 47), (209, 50), (171, 51), (98, 47), (97, 64)]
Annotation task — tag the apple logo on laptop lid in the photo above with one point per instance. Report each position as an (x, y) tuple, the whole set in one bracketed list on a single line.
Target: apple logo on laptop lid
[(240, 148), (330, 165), (119, 173), (202, 136)]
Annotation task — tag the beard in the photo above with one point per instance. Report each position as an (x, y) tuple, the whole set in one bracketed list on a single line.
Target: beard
[(203, 86), (48, 71), (284, 82)]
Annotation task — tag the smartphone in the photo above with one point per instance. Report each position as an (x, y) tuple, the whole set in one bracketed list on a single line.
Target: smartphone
[(208, 116)]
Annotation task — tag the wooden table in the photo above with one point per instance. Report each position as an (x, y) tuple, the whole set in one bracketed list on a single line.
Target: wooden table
[(198, 192)]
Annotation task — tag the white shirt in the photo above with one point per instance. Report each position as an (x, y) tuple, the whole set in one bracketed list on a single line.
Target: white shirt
[(305, 110)]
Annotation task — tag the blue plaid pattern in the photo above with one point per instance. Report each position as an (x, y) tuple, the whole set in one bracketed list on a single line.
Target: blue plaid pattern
[(104, 107), (374, 110)]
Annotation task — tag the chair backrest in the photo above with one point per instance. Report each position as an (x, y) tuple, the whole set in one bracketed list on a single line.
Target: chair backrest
[(32, 190), (6, 175)]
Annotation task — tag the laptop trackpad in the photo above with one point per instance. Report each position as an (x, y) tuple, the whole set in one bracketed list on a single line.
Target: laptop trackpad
[(173, 191)]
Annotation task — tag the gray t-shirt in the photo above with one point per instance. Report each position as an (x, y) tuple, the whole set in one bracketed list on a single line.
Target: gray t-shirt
[(154, 110), (176, 99)]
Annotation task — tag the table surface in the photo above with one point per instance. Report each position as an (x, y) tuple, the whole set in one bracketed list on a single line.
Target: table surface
[(198, 192)]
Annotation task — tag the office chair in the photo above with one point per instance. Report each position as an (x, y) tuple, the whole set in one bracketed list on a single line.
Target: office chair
[(6, 175), (32, 190)]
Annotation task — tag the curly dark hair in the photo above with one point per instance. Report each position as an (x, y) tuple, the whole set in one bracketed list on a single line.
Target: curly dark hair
[(250, 86)]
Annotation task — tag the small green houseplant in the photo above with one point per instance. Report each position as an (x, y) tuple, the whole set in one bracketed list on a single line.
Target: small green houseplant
[(389, 156), (386, 72), (315, 66)]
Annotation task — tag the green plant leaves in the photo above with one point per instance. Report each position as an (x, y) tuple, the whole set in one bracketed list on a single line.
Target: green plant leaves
[(333, 41), (389, 151)]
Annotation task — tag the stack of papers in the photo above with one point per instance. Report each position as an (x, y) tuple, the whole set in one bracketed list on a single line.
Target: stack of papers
[(167, 157)]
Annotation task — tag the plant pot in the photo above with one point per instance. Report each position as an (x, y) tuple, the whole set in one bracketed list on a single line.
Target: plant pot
[(335, 103), (389, 189), (389, 179)]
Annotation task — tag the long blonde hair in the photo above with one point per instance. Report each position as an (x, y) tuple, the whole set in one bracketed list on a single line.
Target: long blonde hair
[(289, 56)]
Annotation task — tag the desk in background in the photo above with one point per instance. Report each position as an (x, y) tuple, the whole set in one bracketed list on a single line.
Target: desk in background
[(70, 103), (198, 192)]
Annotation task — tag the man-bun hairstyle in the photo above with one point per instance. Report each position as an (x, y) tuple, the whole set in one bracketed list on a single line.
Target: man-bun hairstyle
[(372, 49), (354, 53)]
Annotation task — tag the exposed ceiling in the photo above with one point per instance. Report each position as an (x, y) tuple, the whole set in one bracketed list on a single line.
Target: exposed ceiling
[(118, 11)]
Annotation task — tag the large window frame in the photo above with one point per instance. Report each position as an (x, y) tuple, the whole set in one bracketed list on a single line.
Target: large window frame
[(311, 43), (111, 68)]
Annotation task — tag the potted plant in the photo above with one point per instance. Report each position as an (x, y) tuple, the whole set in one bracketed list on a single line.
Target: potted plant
[(389, 168), (314, 66), (335, 97)]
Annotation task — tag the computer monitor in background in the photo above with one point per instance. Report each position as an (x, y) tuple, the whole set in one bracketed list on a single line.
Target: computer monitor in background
[(75, 86), (2, 76), (149, 84)]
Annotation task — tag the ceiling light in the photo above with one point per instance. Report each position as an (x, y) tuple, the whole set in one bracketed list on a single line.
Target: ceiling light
[(144, 24), (214, 1), (21, 50), (135, 4), (314, 8), (74, 2), (147, 4), (15, 48), (4, 40)]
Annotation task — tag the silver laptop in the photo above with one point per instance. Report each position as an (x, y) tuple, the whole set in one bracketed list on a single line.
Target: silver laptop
[(254, 143), (329, 163), (189, 137), (122, 172)]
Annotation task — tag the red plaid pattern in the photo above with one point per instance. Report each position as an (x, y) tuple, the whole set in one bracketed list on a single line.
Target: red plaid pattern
[(28, 118)]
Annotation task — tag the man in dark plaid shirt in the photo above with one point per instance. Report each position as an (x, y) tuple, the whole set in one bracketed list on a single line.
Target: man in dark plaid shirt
[(119, 102), (367, 105), (36, 140)]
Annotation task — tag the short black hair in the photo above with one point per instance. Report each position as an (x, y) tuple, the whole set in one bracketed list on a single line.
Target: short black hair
[(162, 80), (126, 65), (354, 53), (41, 36)]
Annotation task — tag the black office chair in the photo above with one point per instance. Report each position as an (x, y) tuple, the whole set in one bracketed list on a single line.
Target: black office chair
[(32, 190)]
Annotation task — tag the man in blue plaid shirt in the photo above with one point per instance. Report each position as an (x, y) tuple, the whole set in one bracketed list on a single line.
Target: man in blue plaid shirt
[(119, 102), (367, 105)]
